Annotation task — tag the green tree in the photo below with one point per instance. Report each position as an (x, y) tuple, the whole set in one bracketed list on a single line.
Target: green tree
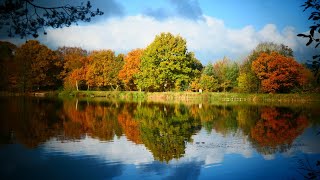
[(246, 82), (208, 69), (206, 83), (166, 64), (227, 73)]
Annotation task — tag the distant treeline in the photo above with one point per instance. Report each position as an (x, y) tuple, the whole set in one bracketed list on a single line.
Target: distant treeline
[(164, 65)]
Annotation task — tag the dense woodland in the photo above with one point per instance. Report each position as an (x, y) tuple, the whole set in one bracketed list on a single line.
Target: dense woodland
[(164, 65)]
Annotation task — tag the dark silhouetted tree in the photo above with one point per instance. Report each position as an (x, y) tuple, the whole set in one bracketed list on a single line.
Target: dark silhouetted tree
[(314, 33), (25, 17)]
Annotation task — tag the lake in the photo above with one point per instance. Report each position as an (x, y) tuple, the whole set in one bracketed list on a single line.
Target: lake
[(43, 138)]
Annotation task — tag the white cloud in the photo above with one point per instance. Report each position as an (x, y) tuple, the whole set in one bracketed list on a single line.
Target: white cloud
[(209, 37), (209, 149), (216, 147), (120, 150)]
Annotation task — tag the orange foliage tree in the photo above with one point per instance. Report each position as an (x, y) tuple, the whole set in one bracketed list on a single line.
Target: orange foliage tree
[(104, 68), (277, 72), (75, 63), (130, 68)]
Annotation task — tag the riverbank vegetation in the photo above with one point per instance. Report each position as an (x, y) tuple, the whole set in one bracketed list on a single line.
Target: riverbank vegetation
[(165, 65)]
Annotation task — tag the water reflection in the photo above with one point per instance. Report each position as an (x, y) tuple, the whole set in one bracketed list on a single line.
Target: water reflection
[(29, 121), (163, 129), (277, 128), (160, 140), (98, 120)]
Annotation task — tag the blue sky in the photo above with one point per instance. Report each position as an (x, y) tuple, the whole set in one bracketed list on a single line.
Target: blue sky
[(213, 28), (235, 13)]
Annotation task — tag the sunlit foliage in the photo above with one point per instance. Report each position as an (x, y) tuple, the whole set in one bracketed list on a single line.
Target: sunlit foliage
[(74, 60), (278, 73), (130, 69), (166, 64)]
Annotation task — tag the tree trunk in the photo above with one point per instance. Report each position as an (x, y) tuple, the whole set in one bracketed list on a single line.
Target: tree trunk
[(77, 86), (77, 104)]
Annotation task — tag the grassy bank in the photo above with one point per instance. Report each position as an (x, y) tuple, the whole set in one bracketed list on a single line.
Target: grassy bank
[(119, 95), (180, 97), (195, 97)]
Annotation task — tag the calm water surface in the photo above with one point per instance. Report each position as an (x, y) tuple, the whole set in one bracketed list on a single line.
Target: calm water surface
[(81, 139)]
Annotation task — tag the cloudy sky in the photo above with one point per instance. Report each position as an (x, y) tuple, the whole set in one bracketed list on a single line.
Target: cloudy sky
[(212, 28)]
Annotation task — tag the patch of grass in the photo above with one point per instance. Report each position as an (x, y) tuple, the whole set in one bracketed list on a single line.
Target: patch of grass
[(195, 97)]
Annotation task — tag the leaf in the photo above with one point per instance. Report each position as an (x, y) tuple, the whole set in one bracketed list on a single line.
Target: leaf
[(309, 42), (303, 35), (310, 17)]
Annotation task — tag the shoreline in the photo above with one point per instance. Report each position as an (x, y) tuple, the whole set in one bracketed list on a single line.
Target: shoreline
[(178, 97)]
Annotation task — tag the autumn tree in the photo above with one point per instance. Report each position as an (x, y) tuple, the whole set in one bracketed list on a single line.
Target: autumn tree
[(104, 69), (248, 80), (166, 64), (277, 72), (307, 79), (130, 68), (27, 17), (74, 61), (226, 72), (37, 66)]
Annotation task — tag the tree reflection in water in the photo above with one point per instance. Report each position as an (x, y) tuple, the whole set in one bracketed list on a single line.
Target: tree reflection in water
[(29, 121), (97, 120), (277, 128), (162, 128), (165, 129), (130, 125)]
